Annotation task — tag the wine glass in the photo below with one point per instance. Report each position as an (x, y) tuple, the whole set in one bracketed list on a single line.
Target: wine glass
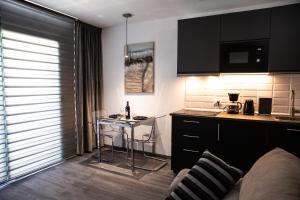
[(122, 112)]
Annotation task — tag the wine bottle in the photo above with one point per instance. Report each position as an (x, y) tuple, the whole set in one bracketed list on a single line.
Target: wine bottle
[(127, 110)]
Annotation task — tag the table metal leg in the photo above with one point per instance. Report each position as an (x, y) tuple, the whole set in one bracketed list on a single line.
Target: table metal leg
[(153, 146), (123, 139), (132, 149), (98, 141)]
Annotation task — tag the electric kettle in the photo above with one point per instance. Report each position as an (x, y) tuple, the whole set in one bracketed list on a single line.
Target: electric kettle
[(249, 107)]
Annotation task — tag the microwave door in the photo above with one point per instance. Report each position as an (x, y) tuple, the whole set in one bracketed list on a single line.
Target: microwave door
[(236, 61), (238, 57), (243, 57)]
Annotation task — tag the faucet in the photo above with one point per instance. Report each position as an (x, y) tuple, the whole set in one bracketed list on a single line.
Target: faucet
[(293, 109)]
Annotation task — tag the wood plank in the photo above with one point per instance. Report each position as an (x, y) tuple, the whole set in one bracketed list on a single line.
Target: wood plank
[(72, 180)]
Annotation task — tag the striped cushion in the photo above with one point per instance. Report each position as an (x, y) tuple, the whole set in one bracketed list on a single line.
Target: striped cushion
[(211, 178)]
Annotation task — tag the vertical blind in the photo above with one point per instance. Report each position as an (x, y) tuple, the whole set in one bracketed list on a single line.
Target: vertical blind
[(37, 88), (3, 147)]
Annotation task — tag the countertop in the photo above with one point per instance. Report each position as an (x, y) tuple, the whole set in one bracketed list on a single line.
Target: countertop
[(226, 116)]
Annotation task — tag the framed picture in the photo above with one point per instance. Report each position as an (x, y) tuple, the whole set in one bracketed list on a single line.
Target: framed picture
[(139, 68)]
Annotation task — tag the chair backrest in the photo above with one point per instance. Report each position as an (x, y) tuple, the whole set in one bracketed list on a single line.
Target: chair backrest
[(152, 132), (96, 115)]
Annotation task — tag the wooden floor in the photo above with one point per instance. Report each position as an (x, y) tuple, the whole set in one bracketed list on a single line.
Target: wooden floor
[(72, 180)]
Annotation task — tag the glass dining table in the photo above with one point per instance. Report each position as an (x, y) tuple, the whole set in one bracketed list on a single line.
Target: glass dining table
[(122, 123)]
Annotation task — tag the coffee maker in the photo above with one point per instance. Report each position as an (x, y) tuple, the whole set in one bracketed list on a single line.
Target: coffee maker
[(234, 106)]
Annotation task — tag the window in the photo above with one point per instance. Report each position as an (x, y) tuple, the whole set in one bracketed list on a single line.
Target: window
[(3, 146), (37, 109)]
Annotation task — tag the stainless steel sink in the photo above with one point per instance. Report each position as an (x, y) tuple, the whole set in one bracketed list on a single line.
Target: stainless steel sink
[(288, 118), (209, 113), (201, 113)]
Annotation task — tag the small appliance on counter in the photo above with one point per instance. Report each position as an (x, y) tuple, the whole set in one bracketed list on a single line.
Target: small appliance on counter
[(249, 107), (234, 107), (265, 106)]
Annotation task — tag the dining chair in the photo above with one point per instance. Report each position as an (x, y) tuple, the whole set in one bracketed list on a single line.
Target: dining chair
[(147, 138), (109, 131)]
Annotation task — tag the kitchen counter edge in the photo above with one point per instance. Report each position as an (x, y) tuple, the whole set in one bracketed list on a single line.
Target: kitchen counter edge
[(235, 117)]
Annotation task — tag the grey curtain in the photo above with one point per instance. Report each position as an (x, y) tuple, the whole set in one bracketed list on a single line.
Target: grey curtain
[(88, 73)]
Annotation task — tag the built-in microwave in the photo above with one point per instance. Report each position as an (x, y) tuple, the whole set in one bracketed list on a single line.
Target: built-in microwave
[(244, 56)]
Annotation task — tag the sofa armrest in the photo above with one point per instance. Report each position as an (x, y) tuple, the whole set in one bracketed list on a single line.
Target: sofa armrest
[(234, 193), (276, 176), (178, 179)]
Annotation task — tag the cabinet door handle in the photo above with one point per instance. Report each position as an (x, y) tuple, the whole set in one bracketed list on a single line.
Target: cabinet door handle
[(192, 151), (191, 121), (293, 130), (218, 137), (191, 136)]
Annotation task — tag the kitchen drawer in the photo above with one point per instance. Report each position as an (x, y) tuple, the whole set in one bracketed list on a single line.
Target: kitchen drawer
[(191, 141), (193, 125), (184, 157), (186, 139), (179, 135), (190, 137), (190, 156)]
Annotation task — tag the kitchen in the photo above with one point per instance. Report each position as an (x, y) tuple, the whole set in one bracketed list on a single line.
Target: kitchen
[(244, 43)]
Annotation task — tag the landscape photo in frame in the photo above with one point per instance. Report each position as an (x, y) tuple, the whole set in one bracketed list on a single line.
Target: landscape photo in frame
[(139, 68)]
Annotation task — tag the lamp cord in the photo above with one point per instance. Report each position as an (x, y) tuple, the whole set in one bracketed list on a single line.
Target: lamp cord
[(126, 30)]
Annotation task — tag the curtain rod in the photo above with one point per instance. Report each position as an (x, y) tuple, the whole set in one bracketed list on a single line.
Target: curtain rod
[(50, 9)]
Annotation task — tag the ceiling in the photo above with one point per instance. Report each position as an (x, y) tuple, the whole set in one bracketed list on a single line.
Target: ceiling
[(104, 13)]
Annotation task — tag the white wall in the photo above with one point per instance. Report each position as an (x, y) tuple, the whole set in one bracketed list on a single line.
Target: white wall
[(169, 89)]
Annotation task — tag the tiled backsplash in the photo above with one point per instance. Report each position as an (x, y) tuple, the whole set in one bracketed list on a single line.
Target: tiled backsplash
[(204, 91)]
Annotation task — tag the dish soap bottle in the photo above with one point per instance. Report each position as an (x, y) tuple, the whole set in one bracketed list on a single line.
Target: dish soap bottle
[(127, 110)]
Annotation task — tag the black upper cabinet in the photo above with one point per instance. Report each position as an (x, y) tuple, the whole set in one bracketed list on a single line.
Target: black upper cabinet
[(199, 39), (246, 25), (284, 48), (198, 45)]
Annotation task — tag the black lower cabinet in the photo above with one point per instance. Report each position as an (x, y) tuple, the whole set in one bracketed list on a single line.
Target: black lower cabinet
[(285, 136), (190, 137), (242, 143), (239, 143)]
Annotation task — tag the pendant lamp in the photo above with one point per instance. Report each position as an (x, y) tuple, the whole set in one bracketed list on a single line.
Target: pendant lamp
[(126, 15)]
